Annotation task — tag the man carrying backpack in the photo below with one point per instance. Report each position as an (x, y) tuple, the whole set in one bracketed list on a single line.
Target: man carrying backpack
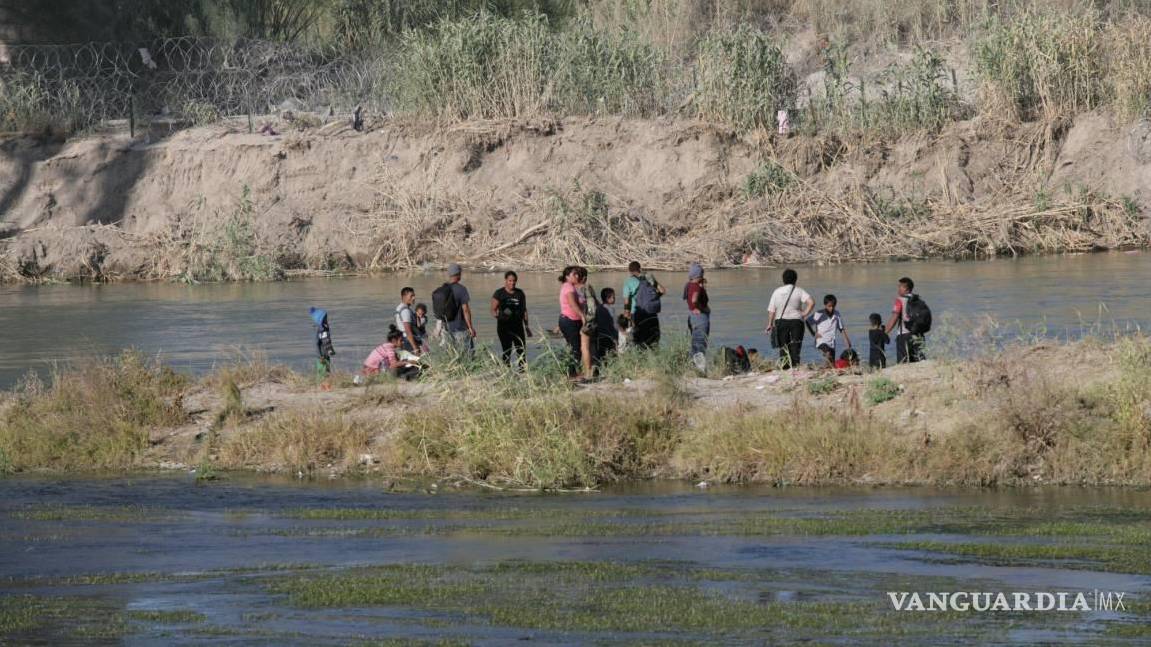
[(641, 301), (911, 317), (450, 306)]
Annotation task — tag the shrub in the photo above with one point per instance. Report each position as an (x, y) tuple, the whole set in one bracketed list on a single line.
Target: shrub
[(492, 67), (299, 441), (770, 178), (94, 415), (743, 78), (608, 71), (822, 386), (916, 95), (557, 440), (1042, 64), (231, 252), (882, 389), (29, 103), (1129, 66)]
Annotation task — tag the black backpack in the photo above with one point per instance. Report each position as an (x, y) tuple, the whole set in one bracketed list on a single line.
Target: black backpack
[(918, 315), (444, 304)]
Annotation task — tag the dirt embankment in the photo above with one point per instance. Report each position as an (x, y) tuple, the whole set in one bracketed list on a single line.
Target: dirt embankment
[(204, 202)]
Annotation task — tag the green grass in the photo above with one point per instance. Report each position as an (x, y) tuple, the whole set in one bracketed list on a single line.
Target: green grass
[(126, 514), (743, 78), (96, 414), (627, 600), (231, 252), (526, 596), (64, 619), (822, 386), (882, 389), (770, 178), (1119, 559), (173, 617)]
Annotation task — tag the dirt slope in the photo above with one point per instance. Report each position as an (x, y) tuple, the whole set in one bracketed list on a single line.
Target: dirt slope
[(401, 194)]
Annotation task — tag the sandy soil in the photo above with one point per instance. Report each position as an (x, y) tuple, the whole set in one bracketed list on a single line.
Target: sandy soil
[(330, 198), (929, 401)]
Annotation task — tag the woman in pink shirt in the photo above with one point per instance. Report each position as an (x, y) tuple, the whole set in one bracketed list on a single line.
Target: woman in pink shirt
[(573, 315), (384, 358)]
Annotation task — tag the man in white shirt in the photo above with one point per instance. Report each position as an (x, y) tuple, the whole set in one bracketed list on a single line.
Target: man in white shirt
[(789, 307), (406, 320)]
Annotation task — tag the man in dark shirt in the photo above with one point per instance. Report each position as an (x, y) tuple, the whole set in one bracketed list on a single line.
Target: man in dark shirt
[(461, 332)]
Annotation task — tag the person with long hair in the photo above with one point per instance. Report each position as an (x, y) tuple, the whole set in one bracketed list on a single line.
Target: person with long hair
[(510, 309), (574, 318)]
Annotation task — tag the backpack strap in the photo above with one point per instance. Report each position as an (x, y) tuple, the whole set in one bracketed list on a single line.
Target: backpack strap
[(779, 315)]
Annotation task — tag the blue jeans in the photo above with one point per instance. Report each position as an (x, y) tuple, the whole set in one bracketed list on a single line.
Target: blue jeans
[(700, 327)]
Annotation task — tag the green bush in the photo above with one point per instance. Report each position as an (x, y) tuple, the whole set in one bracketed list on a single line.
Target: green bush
[(768, 179), (231, 253), (94, 415), (742, 78), (1043, 64), (822, 386), (493, 67), (608, 71), (882, 389), (911, 96)]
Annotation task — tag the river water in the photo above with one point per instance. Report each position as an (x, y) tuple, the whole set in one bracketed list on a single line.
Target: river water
[(184, 562), (193, 327)]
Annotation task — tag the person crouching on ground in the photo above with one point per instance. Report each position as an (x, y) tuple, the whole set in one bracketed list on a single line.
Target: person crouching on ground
[(699, 317), (828, 324), (385, 358), (848, 361), (789, 307)]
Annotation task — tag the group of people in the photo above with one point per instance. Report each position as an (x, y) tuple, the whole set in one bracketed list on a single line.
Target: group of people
[(593, 331), (791, 311)]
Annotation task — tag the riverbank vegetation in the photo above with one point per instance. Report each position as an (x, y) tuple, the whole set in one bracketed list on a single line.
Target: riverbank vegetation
[(1032, 415), (734, 62)]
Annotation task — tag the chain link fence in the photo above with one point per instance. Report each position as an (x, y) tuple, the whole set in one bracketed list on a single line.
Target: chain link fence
[(74, 87)]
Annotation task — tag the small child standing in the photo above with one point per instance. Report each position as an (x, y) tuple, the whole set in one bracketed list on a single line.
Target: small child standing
[(323, 342), (623, 323), (607, 337), (421, 326), (828, 324), (877, 354)]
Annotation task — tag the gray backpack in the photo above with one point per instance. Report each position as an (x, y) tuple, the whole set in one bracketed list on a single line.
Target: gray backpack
[(647, 297)]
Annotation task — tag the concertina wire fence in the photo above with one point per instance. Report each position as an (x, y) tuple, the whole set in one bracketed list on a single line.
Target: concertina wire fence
[(192, 79)]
